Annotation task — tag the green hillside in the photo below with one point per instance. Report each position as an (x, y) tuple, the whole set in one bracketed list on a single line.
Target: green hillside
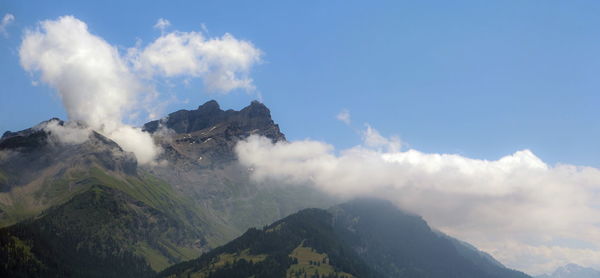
[(206, 205), (361, 238), (101, 232), (303, 244)]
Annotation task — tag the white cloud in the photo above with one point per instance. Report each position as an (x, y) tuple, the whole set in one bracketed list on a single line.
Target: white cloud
[(222, 63), (133, 139), (6, 20), (91, 78), (67, 133), (344, 116), (103, 89), (373, 139), (162, 24), (532, 216)]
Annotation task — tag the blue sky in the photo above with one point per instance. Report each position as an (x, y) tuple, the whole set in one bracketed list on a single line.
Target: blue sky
[(475, 78)]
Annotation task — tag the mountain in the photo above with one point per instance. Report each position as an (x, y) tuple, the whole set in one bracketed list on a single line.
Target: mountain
[(199, 147), (188, 206), (572, 271), (398, 244), (304, 243), (207, 135), (88, 209), (38, 172), (45, 181), (101, 232), (361, 238)]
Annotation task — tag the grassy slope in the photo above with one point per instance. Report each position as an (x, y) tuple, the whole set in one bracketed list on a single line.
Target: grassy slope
[(311, 262), (201, 232), (288, 246), (161, 196), (92, 235), (101, 227), (3, 177)]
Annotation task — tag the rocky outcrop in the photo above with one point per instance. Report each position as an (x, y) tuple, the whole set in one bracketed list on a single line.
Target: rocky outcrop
[(253, 119), (207, 136)]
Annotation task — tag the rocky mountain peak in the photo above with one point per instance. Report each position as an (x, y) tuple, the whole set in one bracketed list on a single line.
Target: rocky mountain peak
[(209, 134), (211, 105), (256, 109), (255, 118), (27, 139)]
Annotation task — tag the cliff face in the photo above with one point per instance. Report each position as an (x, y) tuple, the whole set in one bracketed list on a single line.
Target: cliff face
[(207, 135), (255, 118)]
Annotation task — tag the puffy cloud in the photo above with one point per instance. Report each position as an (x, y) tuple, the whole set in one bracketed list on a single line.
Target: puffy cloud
[(101, 88), (89, 75), (532, 216), (67, 133), (6, 20), (344, 116), (133, 139), (91, 78), (222, 63)]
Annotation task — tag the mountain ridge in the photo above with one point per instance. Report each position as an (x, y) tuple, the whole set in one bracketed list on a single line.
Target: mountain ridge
[(199, 200), (38, 172), (339, 244), (255, 116)]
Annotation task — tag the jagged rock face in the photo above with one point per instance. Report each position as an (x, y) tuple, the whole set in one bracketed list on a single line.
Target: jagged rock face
[(207, 136), (253, 119), (25, 140), (199, 145)]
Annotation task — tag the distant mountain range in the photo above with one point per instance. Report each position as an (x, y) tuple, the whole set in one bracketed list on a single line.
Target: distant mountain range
[(572, 271), (89, 210)]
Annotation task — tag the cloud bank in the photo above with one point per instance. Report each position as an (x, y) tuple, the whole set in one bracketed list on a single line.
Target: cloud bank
[(531, 216), (102, 88)]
